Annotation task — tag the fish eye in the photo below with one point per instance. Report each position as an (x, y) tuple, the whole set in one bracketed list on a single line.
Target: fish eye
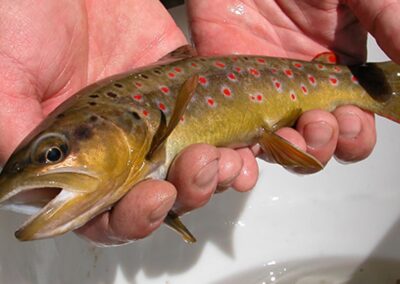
[(54, 155), (49, 148)]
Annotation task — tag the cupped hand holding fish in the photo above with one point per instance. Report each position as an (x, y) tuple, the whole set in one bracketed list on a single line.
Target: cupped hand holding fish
[(64, 46)]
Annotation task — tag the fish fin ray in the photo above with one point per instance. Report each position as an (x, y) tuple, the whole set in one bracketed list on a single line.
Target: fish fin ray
[(328, 57), (172, 221), (280, 151), (164, 130)]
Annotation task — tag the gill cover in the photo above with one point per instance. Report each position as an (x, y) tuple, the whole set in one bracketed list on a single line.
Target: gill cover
[(92, 172)]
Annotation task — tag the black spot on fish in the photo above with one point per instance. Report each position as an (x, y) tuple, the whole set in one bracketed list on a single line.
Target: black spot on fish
[(92, 103), (144, 76), (373, 80), (112, 95), (93, 118), (118, 85), (157, 71), (94, 96), (135, 115), (83, 132), (245, 58), (203, 59), (61, 115), (15, 168)]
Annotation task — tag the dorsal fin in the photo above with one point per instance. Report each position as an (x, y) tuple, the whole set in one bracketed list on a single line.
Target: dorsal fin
[(182, 100), (327, 57), (185, 51)]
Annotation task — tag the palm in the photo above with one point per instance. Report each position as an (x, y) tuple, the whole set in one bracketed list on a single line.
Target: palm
[(295, 29), (71, 44)]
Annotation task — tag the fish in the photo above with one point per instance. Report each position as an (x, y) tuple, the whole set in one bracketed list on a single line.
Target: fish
[(93, 148)]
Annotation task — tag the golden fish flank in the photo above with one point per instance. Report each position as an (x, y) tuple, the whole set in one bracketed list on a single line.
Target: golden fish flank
[(92, 149)]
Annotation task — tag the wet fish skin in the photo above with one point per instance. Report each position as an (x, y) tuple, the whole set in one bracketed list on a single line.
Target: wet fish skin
[(104, 134)]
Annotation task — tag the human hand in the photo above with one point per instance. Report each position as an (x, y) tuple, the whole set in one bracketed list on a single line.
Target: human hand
[(303, 29)]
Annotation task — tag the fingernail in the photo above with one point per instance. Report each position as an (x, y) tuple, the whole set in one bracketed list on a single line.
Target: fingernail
[(350, 125), (162, 210), (207, 175), (317, 134)]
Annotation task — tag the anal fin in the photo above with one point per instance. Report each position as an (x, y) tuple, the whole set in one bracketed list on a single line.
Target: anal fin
[(286, 154)]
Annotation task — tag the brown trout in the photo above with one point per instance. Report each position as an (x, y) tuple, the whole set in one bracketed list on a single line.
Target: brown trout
[(93, 148)]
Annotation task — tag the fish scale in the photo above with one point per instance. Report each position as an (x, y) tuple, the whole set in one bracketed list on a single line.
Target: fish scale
[(117, 132)]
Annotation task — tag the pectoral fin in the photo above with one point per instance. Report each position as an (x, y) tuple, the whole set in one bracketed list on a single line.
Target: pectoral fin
[(164, 130), (286, 154), (173, 221)]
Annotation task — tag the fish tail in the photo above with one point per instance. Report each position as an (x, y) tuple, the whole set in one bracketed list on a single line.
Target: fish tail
[(382, 83)]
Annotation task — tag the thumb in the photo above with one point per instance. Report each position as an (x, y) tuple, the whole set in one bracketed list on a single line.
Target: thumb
[(380, 18)]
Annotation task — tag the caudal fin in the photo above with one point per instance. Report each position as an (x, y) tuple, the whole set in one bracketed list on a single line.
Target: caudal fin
[(382, 82)]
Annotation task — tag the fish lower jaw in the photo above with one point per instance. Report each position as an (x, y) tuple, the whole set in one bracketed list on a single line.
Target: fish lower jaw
[(32, 201)]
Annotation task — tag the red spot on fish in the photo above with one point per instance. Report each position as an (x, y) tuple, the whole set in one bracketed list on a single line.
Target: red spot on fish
[(203, 81), (138, 97), (254, 72), (211, 102), (320, 66), (304, 89), (238, 69), (171, 75), (354, 79), (182, 119), (332, 58), (219, 64), (162, 106), (312, 80), (177, 69), (298, 65), (273, 70), (164, 89), (277, 85), (226, 91), (145, 112), (337, 69), (333, 80), (138, 85), (257, 97), (193, 64), (288, 73), (261, 60), (234, 58), (293, 96), (232, 77)]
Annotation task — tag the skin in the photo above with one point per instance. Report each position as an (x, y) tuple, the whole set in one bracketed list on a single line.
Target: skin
[(49, 53)]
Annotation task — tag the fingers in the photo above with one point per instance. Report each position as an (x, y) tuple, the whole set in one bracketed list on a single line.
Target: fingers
[(201, 168), (349, 133), (195, 173), (380, 18), (357, 133), (135, 216), (320, 131)]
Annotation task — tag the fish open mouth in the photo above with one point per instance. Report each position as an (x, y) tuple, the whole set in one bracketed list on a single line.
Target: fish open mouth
[(31, 201)]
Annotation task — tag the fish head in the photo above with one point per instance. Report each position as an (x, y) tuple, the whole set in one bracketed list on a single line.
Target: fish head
[(70, 169)]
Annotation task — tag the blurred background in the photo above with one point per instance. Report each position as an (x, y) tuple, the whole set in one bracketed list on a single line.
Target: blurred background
[(338, 226)]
